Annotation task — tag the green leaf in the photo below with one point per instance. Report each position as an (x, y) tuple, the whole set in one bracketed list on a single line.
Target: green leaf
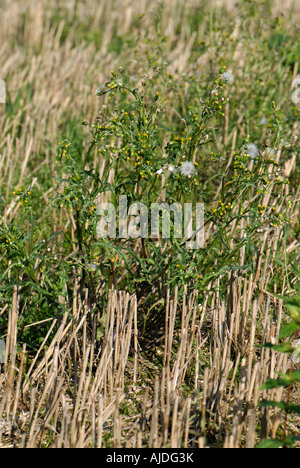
[(283, 381), (270, 443), (274, 404), (281, 405), (277, 443), (99, 333), (293, 408), (293, 307), (290, 440), (288, 330), (280, 348)]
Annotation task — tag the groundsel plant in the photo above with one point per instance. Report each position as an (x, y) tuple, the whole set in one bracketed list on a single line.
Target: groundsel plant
[(149, 156), (150, 160)]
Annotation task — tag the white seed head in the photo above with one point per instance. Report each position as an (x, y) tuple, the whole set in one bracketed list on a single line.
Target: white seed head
[(252, 150), (227, 78), (187, 168)]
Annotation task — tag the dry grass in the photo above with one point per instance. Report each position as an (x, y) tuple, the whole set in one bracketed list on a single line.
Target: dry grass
[(75, 391), (52, 70)]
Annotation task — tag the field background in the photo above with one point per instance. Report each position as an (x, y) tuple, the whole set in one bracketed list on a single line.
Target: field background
[(196, 382)]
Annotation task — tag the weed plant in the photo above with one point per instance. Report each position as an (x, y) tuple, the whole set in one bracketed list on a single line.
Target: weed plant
[(172, 105)]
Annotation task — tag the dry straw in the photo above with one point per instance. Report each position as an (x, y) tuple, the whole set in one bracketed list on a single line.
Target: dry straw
[(74, 395)]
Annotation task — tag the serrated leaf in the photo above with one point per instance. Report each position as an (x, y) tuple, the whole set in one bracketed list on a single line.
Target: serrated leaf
[(288, 330)]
